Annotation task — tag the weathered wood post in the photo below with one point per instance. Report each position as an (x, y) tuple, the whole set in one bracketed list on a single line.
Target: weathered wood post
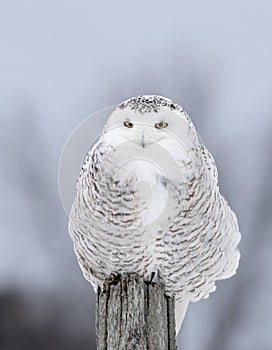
[(134, 314)]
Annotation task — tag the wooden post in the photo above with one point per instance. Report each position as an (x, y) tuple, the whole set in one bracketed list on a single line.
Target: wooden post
[(133, 314)]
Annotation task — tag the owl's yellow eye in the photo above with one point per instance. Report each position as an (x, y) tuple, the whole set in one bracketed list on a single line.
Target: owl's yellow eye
[(128, 124), (161, 125)]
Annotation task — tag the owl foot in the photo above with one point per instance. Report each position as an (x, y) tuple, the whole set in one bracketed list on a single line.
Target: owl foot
[(112, 279)]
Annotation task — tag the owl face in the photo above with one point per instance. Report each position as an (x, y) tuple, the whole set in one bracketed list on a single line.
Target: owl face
[(144, 129)]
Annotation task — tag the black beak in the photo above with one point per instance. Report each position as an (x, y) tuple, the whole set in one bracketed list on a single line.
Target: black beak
[(143, 143)]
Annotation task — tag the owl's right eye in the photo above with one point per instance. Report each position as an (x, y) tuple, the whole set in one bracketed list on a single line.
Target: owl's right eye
[(128, 124)]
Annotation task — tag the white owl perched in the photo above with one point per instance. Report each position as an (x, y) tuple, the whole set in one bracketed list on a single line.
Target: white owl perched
[(148, 201)]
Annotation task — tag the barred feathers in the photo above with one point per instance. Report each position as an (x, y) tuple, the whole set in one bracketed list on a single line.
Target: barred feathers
[(169, 176)]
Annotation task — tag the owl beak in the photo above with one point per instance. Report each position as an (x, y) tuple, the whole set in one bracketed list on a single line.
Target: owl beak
[(143, 141)]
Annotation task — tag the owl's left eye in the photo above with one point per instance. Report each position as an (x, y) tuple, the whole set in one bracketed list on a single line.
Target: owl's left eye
[(161, 125), (128, 124)]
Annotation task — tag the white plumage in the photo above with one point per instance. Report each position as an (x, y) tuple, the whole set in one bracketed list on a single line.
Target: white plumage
[(148, 201)]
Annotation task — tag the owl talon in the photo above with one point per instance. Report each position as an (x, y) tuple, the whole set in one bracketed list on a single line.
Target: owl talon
[(113, 278), (151, 277)]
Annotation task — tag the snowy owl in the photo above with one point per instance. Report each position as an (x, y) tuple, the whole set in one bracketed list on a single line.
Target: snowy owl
[(147, 201)]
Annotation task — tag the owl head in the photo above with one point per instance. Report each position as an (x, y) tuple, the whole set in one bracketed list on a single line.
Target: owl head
[(149, 119)]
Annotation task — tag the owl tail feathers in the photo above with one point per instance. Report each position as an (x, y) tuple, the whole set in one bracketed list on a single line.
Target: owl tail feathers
[(180, 311)]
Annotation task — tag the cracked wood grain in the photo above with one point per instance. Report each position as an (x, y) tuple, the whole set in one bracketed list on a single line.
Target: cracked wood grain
[(134, 314)]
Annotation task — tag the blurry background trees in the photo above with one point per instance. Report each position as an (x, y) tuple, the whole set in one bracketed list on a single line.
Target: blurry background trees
[(61, 61)]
